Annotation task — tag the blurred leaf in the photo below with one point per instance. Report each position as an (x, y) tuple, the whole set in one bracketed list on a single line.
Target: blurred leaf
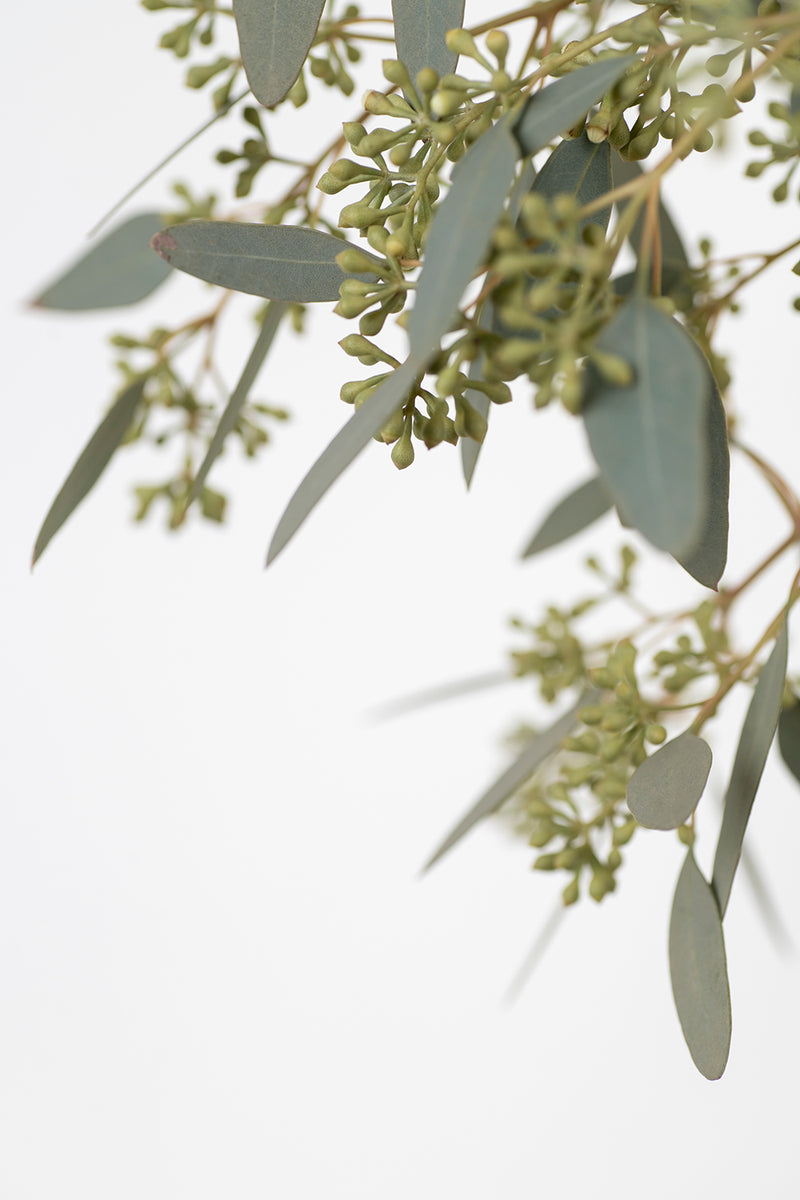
[(580, 508), (459, 235), (579, 168), (117, 270), (445, 691), (420, 27), (649, 438), (275, 37), (758, 731), (560, 105), (468, 447), (349, 442), (789, 739), (279, 262), (664, 790), (699, 971), (535, 752), (91, 463), (706, 561), (672, 247), (525, 181), (227, 423)]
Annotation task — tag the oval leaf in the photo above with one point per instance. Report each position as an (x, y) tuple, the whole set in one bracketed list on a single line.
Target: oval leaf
[(419, 29), (459, 235), (557, 107), (349, 441), (789, 739), (699, 972), (706, 561), (536, 751), (580, 508), (275, 37), (279, 262), (91, 463), (579, 168), (758, 731), (118, 270), (649, 438), (664, 790), (672, 247)]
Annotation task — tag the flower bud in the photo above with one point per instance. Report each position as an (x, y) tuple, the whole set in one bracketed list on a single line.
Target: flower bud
[(403, 453)]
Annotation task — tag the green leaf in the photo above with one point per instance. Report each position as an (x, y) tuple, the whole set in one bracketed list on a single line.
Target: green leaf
[(672, 247), (579, 168), (349, 442), (649, 438), (279, 262), (227, 423), (460, 234), (580, 508), (758, 731), (789, 738), (664, 790), (275, 37), (699, 971), (536, 751), (118, 270), (706, 561), (445, 691), (468, 447), (560, 105), (91, 463), (419, 29)]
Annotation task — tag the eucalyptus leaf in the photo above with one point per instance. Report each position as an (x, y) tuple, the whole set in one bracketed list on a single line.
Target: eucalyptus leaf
[(275, 37), (460, 234), (672, 247), (789, 738), (348, 443), (91, 463), (227, 422), (756, 737), (279, 262), (557, 107), (664, 790), (706, 561), (580, 168), (649, 438), (419, 29), (469, 449), (445, 691), (699, 971), (117, 270), (575, 512), (533, 755)]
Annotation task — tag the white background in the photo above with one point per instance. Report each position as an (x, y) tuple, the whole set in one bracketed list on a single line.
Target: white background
[(220, 972)]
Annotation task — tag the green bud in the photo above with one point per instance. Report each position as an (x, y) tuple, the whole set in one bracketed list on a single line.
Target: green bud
[(622, 834), (612, 748), (461, 42), (396, 72), (592, 714), (615, 370), (601, 883), (373, 322), (614, 860), (427, 79), (545, 862), (568, 859), (717, 65), (445, 102), (360, 216), (403, 453), (655, 734), (571, 893), (686, 835), (615, 720), (394, 427), (353, 131), (351, 307), (780, 193), (356, 262)]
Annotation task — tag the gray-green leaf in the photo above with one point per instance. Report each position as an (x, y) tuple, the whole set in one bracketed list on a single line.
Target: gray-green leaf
[(706, 561), (419, 29), (789, 738), (580, 508), (536, 751), (649, 438), (349, 442), (91, 463), (227, 422), (664, 790), (118, 270), (699, 971), (459, 235), (469, 448), (580, 168), (758, 731), (557, 107), (672, 247), (275, 36), (279, 262)]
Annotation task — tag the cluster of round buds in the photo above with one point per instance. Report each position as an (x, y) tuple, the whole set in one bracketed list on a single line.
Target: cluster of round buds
[(783, 149)]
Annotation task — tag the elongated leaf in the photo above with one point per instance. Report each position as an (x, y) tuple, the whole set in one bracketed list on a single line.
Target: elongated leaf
[(672, 246), (459, 235), (445, 691), (91, 463), (758, 731), (279, 262), (649, 438), (468, 447), (117, 270), (699, 971), (664, 790), (227, 422), (557, 107), (789, 739), (419, 29), (536, 751), (580, 508), (349, 442), (706, 561), (275, 36), (579, 168)]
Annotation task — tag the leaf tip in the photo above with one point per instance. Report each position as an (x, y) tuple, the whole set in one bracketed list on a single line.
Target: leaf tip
[(164, 244)]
